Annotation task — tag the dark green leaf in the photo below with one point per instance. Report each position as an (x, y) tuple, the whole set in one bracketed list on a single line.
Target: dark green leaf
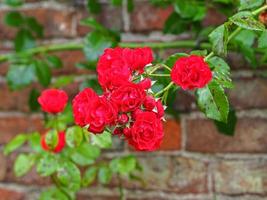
[(219, 40), (89, 176), (95, 44), (104, 174), (24, 40), (130, 5), (229, 127), (15, 143), (54, 61), (74, 136), (199, 52), (116, 2), (19, 76), (34, 26), (246, 20), (221, 71), (249, 55), (170, 61), (213, 101), (33, 103), (249, 4), (174, 24), (245, 37), (91, 22), (43, 72), (93, 6), (47, 165), (102, 140), (23, 164), (13, 18)]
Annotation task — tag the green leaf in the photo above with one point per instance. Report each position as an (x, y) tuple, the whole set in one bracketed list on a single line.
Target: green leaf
[(199, 52), (245, 37), (175, 24), (14, 3), (54, 61), (124, 165), (219, 40), (19, 76), (213, 101), (15, 143), (74, 136), (262, 42), (33, 103), (229, 127), (249, 4), (89, 176), (102, 140), (221, 71), (104, 174), (14, 19), (170, 61), (130, 5), (62, 81), (95, 44), (53, 194), (93, 6), (69, 176), (24, 40), (43, 72), (116, 2), (35, 26), (246, 20), (85, 154), (23, 164), (34, 141), (47, 165), (91, 22), (249, 55)]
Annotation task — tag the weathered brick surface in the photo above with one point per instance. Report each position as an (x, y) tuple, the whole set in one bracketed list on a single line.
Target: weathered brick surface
[(238, 177), (146, 17), (3, 166), (8, 194), (250, 136), (172, 136)]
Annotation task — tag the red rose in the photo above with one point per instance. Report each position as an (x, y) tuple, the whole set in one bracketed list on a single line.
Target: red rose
[(53, 100), (128, 97), (112, 69), (149, 103), (123, 119), (58, 147), (138, 58), (145, 84), (191, 72), (97, 112), (146, 133), (160, 109)]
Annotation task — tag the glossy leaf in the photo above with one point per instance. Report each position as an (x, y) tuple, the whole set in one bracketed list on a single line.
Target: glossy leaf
[(213, 101), (246, 20), (249, 4), (15, 143), (219, 40)]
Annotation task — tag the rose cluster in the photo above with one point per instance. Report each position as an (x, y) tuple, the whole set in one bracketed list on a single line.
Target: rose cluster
[(126, 106)]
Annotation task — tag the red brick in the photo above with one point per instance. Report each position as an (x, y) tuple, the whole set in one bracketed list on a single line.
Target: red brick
[(250, 137), (239, 177), (147, 17), (3, 166), (172, 136), (57, 23), (11, 125), (8, 194)]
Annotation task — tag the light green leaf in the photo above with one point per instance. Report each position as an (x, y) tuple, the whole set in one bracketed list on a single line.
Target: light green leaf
[(213, 101), (14, 3), (124, 165), (23, 164), (102, 140), (262, 42), (34, 141), (221, 71), (63, 81), (246, 20), (19, 76), (47, 165), (15, 143), (219, 40), (74, 136), (89, 176), (249, 4), (104, 174), (245, 37), (53, 194)]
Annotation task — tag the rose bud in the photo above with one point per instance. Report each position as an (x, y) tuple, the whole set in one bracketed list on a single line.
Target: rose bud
[(56, 147), (123, 119)]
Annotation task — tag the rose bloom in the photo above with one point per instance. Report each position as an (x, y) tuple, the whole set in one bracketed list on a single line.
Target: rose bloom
[(191, 72), (128, 97), (53, 100), (59, 146), (112, 69), (138, 58), (97, 112), (146, 133)]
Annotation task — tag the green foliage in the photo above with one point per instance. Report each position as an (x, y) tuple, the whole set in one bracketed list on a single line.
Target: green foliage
[(219, 40), (262, 42), (14, 19), (47, 165), (32, 102), (249, 4), (93, 6), (14, 3), (124, 165), (104, 174), (213, 101), (89, 176), (53, 194), (102, 140), (74, 136), (23, 164), (15, 143), (43, 72)]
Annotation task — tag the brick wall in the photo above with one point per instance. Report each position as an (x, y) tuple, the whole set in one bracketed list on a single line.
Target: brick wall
[(194, 162)]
